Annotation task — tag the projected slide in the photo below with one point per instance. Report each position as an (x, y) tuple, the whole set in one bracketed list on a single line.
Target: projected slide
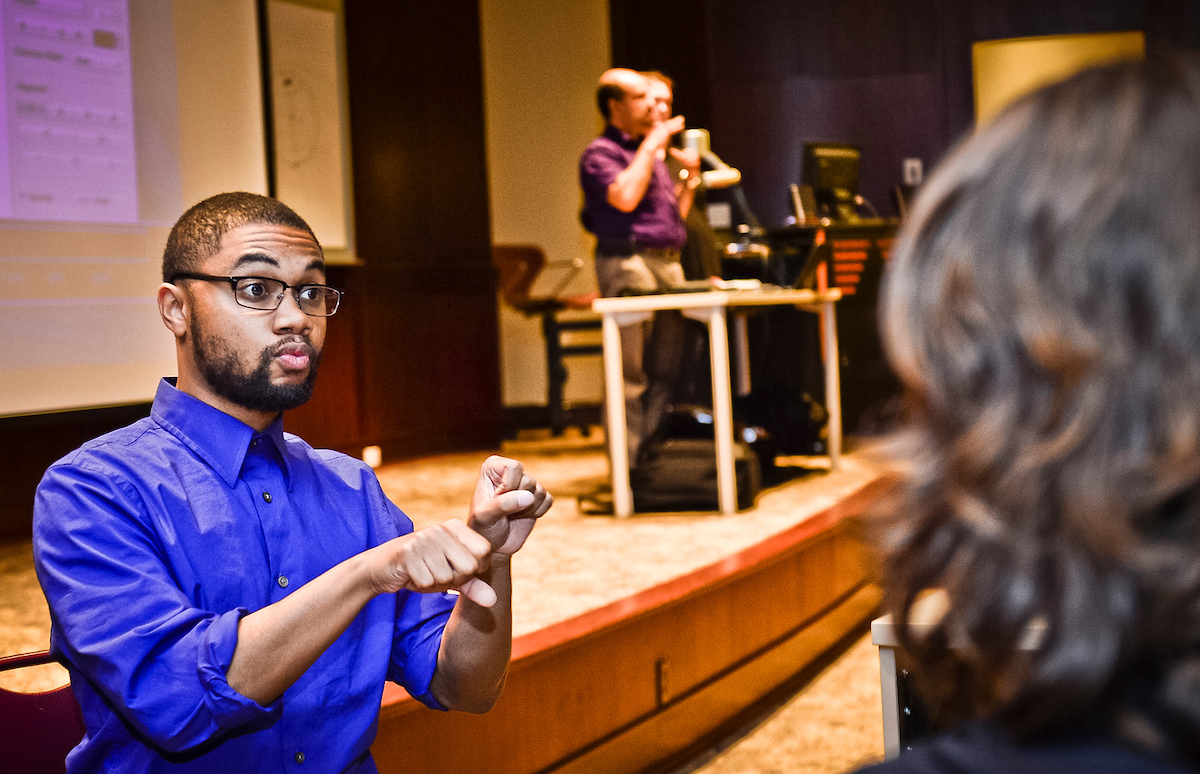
[(68, 122), (89, 185)]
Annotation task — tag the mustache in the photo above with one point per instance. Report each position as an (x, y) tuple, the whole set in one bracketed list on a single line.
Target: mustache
[(293, 345)]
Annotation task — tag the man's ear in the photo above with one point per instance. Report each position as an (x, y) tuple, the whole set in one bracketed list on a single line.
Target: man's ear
[(173, 308)]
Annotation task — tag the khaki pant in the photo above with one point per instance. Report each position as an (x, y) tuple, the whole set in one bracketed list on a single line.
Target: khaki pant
[(650, 350)]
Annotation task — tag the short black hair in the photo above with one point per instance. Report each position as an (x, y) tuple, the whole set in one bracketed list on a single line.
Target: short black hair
[(199, 231), (606, 92)]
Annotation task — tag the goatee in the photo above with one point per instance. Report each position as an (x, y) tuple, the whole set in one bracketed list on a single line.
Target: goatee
[(253, 390)]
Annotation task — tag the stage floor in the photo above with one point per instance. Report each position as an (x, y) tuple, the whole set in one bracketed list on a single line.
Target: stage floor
[(575, 562)]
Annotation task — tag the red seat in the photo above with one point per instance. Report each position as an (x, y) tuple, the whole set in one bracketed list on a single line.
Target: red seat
[(37, 730)]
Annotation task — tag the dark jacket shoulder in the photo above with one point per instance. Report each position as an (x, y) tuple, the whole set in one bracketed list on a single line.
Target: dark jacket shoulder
[(982, 748)]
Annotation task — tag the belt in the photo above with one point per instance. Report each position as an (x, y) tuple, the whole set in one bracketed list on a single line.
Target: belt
[(626, 249)]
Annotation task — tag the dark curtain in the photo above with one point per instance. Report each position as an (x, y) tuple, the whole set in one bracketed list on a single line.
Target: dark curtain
[(894, 78)]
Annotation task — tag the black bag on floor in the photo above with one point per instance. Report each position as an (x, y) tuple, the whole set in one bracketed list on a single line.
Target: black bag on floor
[(680, 473)]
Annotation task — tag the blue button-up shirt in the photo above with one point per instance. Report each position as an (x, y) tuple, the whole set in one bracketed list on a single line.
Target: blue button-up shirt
[(153, 541), (655, 222)]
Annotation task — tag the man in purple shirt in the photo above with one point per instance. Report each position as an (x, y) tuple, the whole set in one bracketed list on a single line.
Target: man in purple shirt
[(226, 597), (635, 208)]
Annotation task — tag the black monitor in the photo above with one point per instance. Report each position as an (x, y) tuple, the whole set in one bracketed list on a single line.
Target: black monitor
[(831, 170)]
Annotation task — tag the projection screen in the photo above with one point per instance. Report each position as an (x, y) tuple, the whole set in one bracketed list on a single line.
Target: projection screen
[(118, 114)]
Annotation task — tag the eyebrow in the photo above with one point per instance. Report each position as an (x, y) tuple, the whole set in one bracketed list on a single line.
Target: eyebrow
[(248, 258), (255, 258)]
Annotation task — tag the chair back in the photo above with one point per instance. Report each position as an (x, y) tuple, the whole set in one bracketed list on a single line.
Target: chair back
[(518, 266), (37, 730)]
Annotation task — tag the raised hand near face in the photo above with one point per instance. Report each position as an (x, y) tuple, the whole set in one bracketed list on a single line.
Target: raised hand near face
[(659, 136)]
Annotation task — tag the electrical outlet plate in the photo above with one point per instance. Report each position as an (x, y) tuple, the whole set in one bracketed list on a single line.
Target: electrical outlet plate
[(913, 171)]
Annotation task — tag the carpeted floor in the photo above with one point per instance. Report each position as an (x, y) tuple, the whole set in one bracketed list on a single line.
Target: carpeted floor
[(833, 724), (574, 562)]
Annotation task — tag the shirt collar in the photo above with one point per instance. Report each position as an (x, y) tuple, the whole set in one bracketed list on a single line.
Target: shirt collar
[(629, 142), (218, 438), (274, 434)]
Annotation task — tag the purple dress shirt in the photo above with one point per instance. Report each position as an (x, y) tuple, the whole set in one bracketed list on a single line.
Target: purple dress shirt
[(654, 223), (153, 541)]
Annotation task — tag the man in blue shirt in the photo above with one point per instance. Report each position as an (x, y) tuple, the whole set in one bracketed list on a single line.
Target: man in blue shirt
[(228, 598)]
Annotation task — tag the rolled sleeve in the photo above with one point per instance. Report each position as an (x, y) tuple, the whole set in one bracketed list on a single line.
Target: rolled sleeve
[(153, 541), (598, 168), (121, 621), (420, 621), (229, 708)]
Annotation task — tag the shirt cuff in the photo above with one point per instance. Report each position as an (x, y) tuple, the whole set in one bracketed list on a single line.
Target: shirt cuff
[(229, 708)]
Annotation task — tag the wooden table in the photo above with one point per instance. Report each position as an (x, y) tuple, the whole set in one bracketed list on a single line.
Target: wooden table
[(709, 307)]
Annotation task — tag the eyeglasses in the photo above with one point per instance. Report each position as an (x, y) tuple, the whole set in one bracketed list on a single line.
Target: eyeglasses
[(266, 294)]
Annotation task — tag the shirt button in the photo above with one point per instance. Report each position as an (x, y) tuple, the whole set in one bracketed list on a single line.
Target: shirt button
[(254, 444), (299, 757), (266, 497), (282, 581)]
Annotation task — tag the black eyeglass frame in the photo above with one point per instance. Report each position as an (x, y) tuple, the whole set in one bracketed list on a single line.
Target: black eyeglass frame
[(296, 290)]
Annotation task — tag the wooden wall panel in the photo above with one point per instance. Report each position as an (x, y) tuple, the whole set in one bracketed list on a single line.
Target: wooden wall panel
[(332, 419), (671, 36), (409, 368), (425, 362), (430, 348), (416, 122), (680, 729)]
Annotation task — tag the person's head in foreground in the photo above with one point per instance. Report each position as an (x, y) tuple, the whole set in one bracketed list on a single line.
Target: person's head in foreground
[(1043, 314)]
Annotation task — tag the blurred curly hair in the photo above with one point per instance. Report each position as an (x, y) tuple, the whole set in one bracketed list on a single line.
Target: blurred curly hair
[(1042, 310)]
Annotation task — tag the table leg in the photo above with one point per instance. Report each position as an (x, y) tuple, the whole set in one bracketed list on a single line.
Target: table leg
[(833, 387), (741, 354), (614, 386), (722, 410), (891, 702)]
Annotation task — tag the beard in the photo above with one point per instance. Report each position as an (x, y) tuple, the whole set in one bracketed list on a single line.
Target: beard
[(252, 390)]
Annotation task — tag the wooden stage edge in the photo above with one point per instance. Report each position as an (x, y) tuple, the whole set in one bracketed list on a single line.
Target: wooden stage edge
[(630, 685)]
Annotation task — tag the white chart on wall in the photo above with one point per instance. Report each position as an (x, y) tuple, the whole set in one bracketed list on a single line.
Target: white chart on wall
[(309, 119)]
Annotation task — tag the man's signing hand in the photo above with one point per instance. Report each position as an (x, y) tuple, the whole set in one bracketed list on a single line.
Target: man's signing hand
[(506, 502)]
